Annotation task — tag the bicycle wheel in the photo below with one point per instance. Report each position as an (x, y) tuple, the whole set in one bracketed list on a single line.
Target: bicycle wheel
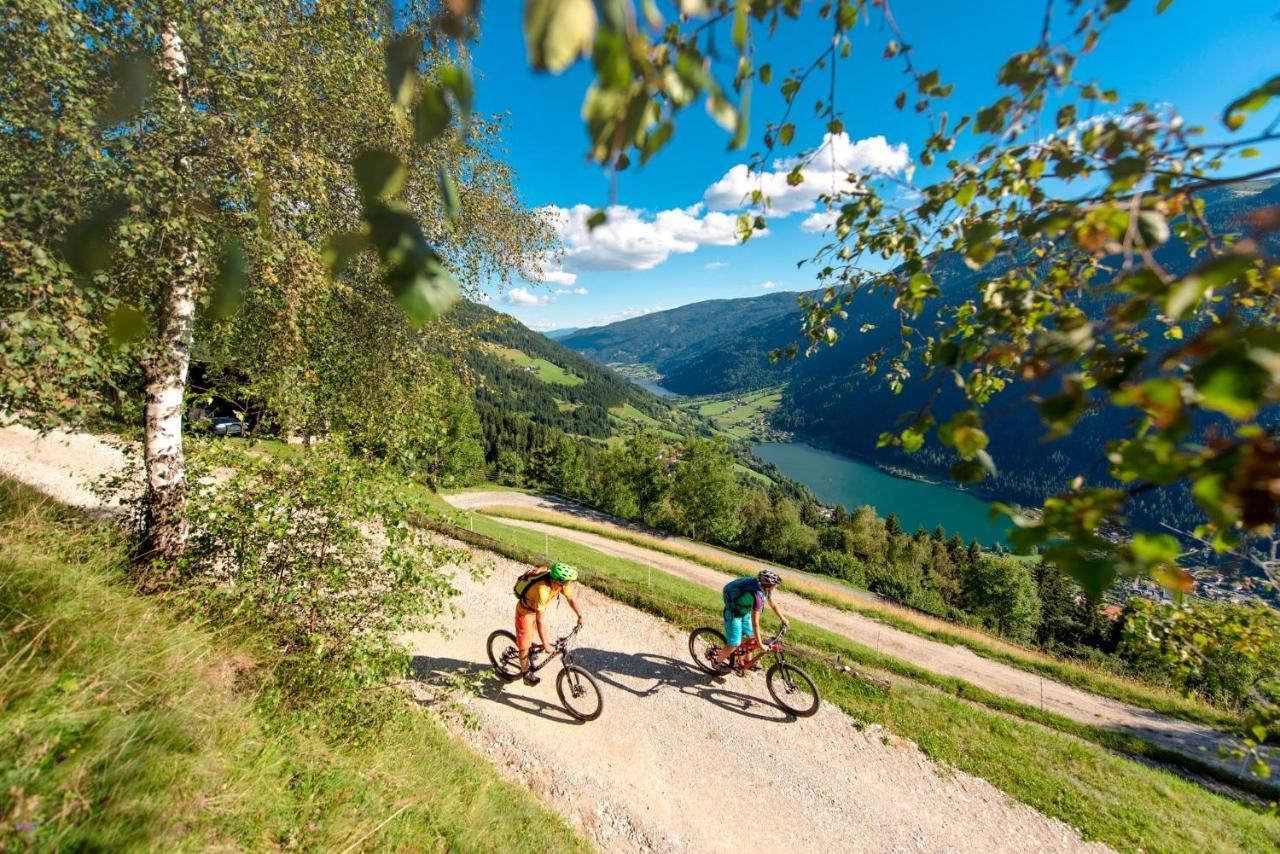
[(504, 655), (704, 644), (792, 689), (579, 693)]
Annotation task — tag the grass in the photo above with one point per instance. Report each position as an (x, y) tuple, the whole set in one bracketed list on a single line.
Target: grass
[(1078, 675), (126, 727), (548, 372), (734, 414), (1044, 761)]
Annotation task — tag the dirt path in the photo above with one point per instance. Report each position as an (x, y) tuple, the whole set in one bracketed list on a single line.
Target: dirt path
[(63, 465), (682, 762), (1194, 740)]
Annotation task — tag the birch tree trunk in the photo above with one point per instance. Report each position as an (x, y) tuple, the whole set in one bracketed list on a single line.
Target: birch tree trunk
[(165, 524)]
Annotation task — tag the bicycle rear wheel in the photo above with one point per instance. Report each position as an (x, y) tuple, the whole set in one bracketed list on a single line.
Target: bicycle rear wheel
[(579, 693), (704, 644), (792, 689), (504, 655)]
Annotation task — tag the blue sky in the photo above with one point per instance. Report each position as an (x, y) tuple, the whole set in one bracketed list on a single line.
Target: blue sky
[(661, 251)]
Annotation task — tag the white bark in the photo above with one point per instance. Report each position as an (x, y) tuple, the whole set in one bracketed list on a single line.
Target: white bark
[(166, 376)]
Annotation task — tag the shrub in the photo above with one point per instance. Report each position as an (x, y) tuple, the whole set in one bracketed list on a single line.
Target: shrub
[(321, 562)]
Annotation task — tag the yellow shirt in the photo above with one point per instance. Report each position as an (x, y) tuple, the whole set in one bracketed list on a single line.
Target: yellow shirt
[(539, 595)]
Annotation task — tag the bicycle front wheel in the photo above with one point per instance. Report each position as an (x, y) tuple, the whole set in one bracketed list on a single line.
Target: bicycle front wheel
[(704, 644), (504, 655), (579, 693), (792, 689)]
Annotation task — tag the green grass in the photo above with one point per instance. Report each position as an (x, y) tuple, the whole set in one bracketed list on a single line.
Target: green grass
[(734, 414), (1064, 769), (1095, 680), (546, 371), (125, 727)]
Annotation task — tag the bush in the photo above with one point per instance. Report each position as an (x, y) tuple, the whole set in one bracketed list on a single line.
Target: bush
[(312, 555), (841, 565)]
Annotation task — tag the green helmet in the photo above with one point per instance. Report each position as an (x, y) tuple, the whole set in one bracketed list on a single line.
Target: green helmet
[(563, 572)]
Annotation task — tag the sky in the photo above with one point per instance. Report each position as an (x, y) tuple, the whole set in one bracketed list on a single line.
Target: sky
[(670, 239)]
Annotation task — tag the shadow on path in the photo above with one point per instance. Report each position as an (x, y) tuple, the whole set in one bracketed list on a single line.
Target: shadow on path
[(448, 673)]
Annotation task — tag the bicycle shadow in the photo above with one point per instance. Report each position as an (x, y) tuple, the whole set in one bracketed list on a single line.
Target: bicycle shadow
[(665, 672), (448, 672)]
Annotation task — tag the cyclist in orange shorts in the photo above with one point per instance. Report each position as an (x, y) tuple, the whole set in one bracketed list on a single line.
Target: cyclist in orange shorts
[(539, 591)]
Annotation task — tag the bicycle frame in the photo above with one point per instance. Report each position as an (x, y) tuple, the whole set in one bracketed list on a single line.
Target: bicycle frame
[(561, 651), (743, 660)]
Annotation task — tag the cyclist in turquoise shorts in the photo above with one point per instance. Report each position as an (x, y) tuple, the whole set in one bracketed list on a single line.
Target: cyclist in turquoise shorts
[(744, 599)]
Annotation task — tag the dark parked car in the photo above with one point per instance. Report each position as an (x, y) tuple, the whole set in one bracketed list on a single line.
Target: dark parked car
[(226, 426)]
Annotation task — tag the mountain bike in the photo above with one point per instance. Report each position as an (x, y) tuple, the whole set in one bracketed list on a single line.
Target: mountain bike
[(578, 690), (791, 688)]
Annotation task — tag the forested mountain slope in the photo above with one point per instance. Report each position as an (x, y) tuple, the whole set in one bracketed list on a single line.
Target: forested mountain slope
[(724, 345), (529, 387)]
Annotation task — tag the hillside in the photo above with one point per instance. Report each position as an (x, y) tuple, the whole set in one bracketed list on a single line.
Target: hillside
[(528, 387), (723, 346)]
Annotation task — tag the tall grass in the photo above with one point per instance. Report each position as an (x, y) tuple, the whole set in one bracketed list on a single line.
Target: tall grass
[(124, 726)]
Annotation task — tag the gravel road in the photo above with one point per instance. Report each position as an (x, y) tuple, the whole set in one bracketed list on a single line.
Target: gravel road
[(683, 762), (1195, 740)]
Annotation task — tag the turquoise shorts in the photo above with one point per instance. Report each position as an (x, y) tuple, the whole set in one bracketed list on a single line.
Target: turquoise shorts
[(736, 628)]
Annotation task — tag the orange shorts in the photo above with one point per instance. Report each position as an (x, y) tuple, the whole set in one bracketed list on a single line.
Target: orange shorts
[(526, 627)]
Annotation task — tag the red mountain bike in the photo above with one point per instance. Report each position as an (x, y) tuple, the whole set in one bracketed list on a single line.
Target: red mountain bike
[(791, 688)]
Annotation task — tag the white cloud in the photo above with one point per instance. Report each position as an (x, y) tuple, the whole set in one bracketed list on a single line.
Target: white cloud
[(580, 292), (523, 297), (715, 265), (768, 286), (820, 221), (552, 276), (826, 172), (632, 239), (576, 292)]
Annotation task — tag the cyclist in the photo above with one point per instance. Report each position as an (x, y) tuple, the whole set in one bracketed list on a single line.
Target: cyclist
[(546, 586), (744, 599)]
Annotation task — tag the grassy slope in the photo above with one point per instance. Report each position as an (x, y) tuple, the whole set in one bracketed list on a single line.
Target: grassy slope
[(733, 414), (547, 372), (1072, 673), (124, 727), (1040, 759)]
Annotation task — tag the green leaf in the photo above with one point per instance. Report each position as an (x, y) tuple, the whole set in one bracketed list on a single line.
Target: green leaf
[(457, 80), (1250, 102), (964, 433), (427, 294), (228, 287), (558, 32), (125, 324), (1187, 292), (432, 115), (380, 174), (786, 133), (1153, 228), (132, 78), (967, 471), (88, 245), (449, 192), (403, 52), (340, 248), (739, 34), (765, 74), (597, 219)]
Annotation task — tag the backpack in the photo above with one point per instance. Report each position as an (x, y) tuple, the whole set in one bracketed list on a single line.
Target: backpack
[(527, 580)]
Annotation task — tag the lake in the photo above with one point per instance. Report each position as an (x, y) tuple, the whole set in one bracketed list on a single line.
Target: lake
[(653, 387), (837, 479)]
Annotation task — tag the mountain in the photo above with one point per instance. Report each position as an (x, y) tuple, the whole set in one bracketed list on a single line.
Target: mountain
[(721, 346), (529, 387), (557, 334)]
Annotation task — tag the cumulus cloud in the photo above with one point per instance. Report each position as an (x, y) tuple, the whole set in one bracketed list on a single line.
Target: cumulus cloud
[(768, 286), (575, 292), (553, 276), (820, 221), (524, 297), (632, 239), (715, 265), (826, 172)]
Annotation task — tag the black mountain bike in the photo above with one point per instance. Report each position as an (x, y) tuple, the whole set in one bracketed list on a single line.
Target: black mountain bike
[(791, 688), (577, 688)]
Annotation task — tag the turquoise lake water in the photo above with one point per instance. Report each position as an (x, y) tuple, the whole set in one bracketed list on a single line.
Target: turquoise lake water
[(837, 479)]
